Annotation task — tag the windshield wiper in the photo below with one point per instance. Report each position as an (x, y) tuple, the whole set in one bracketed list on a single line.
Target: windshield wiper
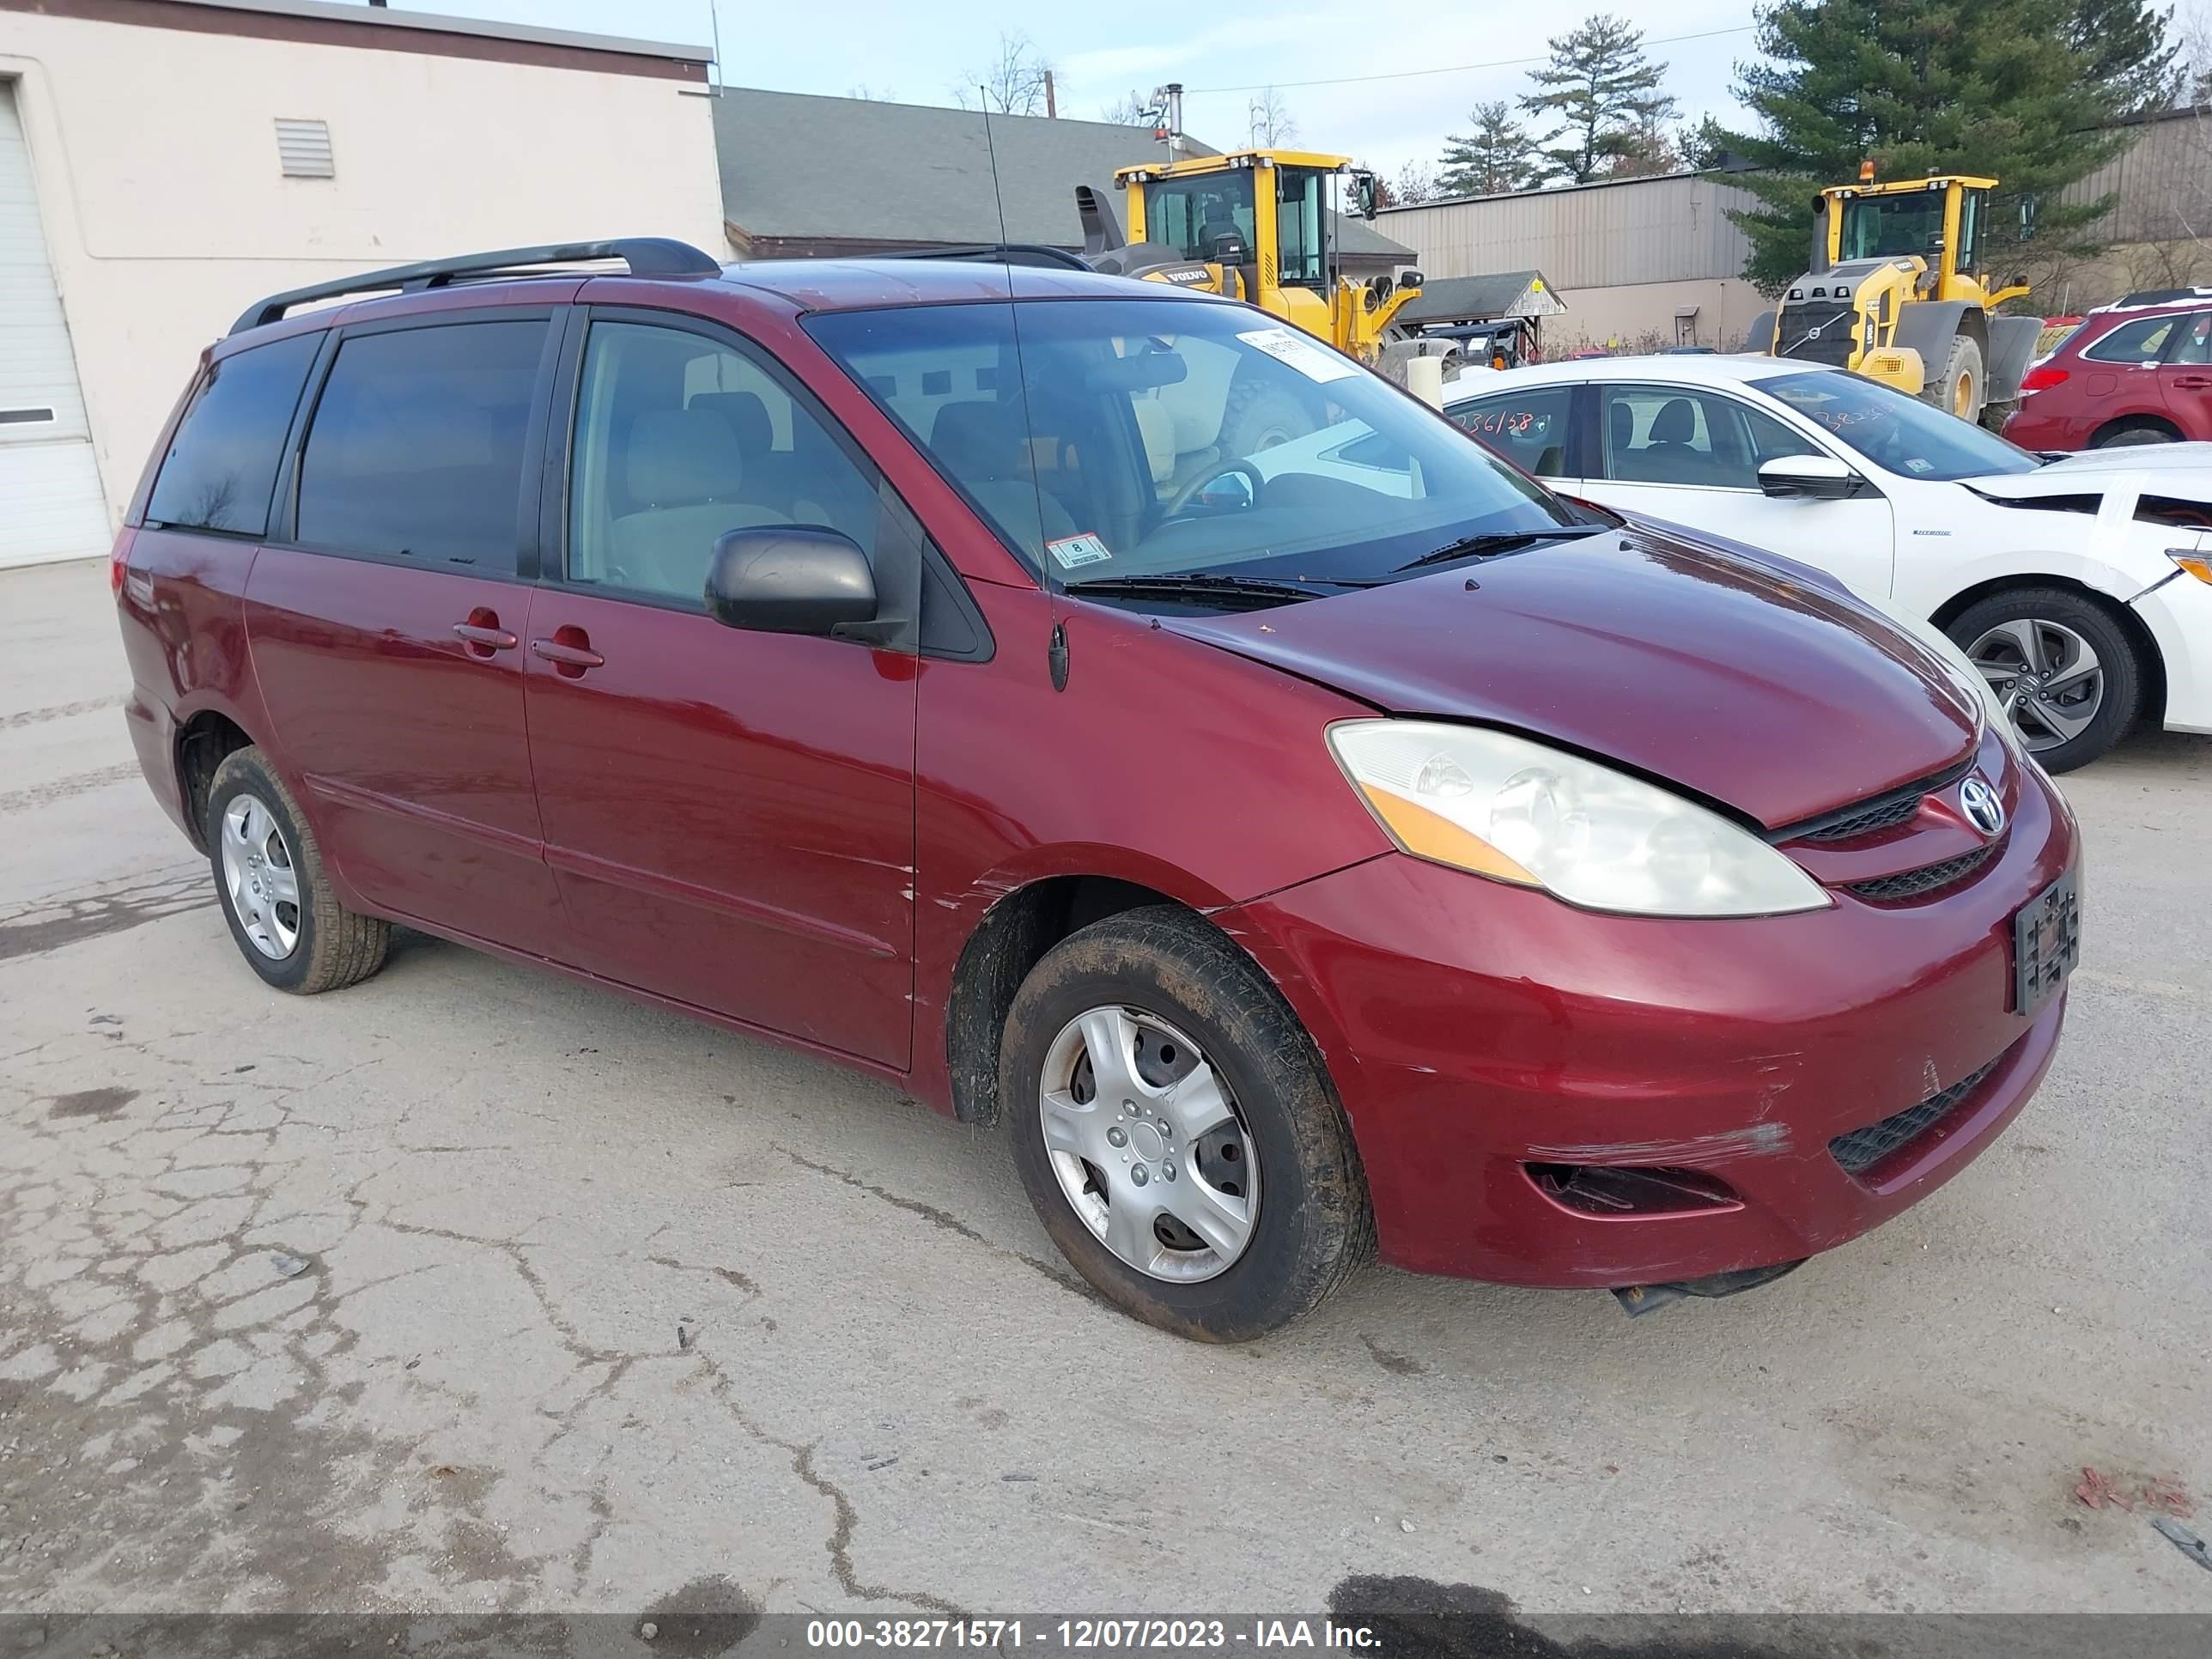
[(1196, 585), (1507, 541)]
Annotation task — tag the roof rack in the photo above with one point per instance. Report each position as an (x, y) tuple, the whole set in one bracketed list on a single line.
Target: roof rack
[(1001, 253), (2163, 296), (645, 256)]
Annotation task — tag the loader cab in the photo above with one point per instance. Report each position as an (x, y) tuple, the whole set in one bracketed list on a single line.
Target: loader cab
[(1276, 204), (1940, 219)]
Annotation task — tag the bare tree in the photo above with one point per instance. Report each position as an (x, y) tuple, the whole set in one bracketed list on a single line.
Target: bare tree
[(1416, 183), (870, 94), (1131, 109), (1012, 83), (2193, 32), (1271, 121)]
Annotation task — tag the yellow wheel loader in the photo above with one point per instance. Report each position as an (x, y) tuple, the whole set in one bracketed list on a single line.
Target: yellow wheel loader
[(1258, 225), (1898, 291)]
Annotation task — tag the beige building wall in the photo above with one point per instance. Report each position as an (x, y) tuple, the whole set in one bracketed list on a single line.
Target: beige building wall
[(1640, 316), (154, 155)]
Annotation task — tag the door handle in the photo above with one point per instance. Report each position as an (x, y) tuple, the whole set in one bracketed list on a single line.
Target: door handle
[(569, 651), (492, 639), (2194, 382), (480, 635)]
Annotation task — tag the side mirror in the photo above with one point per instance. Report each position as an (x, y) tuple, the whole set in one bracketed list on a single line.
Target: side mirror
[(2026, 217), (1809, 477), (789, 578), (1363, 194)]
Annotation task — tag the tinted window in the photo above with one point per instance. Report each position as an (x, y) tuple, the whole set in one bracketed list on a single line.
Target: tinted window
[(1528, 429), (2135, 341), (222, 464), (1672, 434), (680, 437), (416, 446)]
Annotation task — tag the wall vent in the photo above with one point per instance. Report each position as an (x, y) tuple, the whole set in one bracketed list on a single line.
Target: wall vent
[(304, 148)]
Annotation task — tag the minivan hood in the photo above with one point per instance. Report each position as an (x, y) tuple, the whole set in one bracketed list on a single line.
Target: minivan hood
[(1735, 680)]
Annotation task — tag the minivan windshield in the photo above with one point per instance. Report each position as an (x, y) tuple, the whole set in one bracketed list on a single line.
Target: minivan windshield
[(1179, 437), (1902, 434)]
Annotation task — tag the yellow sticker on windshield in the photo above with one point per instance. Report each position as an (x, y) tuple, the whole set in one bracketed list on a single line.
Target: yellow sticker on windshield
[(1286, 346)]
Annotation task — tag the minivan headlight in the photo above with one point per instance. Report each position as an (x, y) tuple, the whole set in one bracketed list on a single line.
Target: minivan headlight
[(1515, 810)]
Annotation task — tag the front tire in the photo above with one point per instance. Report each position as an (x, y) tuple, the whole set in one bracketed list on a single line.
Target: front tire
[(1961, 389), (270, 878), (2070, 677), (1177, 1131)]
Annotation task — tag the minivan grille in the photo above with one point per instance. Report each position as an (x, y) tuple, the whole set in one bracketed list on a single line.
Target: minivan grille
[(1877, 814), (1861, 1149), (1928, 878), (1794, 336)]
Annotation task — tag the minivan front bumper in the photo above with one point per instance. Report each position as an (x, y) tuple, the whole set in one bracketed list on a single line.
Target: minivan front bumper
[(1489, 1042)]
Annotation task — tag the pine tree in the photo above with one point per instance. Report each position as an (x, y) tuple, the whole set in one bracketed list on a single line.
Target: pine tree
[(1493, 160), (1603, 95), (2131, 47), (1998, 87)]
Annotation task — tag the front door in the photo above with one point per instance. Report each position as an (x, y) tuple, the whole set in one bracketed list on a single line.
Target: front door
[(386, 630), (730, 814), (2184, 379), (1692, 456)]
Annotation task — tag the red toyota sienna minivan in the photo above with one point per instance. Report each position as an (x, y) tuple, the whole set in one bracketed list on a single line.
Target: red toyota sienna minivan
[(1340, 847)]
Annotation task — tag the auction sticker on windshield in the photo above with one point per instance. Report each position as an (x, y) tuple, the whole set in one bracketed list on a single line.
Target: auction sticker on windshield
[(1074, 550), (1300, 353)]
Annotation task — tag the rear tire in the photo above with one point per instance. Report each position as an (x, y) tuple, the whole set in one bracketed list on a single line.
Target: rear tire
[(1259, 416), (2033, 640), (269, 880), (1160, 975), (2129, 433)]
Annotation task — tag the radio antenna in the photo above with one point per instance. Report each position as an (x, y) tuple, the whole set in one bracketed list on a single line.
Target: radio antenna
[(1056, 644)]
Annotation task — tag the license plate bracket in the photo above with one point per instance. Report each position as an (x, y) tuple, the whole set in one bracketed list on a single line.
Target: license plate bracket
[(2046, 943)]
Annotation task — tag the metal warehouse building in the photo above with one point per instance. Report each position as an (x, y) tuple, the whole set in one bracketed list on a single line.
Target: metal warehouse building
[(1655, 262), (1637, 261)]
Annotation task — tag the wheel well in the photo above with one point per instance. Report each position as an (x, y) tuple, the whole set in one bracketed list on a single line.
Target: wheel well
[(2134, 423), (1012, 938), (2154, 702), (206, 739)]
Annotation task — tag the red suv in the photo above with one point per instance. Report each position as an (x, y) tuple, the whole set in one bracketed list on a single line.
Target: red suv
[(2139, 372), (1347, 843)]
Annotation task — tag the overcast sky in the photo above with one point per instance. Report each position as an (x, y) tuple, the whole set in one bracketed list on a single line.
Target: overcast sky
[(1104, 48)]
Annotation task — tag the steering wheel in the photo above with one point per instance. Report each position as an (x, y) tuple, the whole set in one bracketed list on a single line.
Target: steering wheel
[(1184, 496)]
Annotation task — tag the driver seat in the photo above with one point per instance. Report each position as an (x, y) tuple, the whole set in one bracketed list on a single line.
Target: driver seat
[(984, 446)]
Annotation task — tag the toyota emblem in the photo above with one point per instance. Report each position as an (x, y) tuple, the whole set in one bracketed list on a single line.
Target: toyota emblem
[(1983, 808)]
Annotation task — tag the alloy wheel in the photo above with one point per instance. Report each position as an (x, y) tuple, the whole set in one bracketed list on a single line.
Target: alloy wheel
[(2048, 677), (259, 877), (1148, 1144)]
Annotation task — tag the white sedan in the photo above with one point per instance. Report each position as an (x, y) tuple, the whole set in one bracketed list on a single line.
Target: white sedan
[(2081, 586)]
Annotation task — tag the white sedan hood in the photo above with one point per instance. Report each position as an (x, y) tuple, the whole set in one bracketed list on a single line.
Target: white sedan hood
[(2182, 470)]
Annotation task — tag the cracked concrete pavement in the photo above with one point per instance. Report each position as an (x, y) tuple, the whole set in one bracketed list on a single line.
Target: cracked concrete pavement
[(598, 1302)]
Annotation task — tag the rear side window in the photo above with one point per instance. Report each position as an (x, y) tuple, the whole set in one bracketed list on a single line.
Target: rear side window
[(2135, 341), (1528, 428), (221, 465), (416, 448)]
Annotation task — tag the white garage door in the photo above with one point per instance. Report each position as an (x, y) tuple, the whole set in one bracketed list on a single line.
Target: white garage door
[(51, 487)]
